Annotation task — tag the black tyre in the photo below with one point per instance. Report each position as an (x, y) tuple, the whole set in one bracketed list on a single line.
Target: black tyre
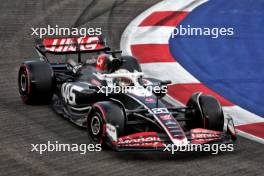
[(102, 113), (35, 82), (130, 63), (96, 127), (205, 112)]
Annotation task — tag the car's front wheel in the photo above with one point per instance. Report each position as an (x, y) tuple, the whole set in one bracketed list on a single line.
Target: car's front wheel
[(204, 111), (103, 114), (95, 127)]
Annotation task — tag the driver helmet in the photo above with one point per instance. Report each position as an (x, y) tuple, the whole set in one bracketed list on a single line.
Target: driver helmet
[(103, 63)]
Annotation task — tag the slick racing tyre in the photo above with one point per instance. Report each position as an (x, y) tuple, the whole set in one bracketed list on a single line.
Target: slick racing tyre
[(130, 63), (35, 82), (103, 114), (205, 112)]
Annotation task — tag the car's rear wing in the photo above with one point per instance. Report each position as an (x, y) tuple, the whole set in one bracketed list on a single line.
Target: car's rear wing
[(71, 45)]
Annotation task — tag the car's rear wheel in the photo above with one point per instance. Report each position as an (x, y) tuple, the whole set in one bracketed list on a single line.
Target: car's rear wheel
[(35, 82), (204, 111)]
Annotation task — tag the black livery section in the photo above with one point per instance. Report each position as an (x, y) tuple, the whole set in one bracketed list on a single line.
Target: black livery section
[(123, 121)]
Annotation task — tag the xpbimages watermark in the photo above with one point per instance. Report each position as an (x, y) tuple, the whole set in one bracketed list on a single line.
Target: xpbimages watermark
[(214, 33), (60, 147), (213, 148), (65, 31), (107, 90)]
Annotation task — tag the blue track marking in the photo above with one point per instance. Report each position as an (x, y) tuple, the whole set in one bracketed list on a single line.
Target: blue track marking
[(232, 66)]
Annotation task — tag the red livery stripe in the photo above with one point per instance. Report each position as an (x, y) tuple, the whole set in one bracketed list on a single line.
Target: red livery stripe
[(164, 18), (255, 129), (182, 92), (149, 53)]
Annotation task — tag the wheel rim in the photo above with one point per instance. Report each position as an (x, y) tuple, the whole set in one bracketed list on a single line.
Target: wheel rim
[(23, 82), (95, 125)]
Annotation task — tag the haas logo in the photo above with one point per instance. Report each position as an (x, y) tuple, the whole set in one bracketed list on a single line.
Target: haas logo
[(100, 64), (100, 61), (68, 92), (68, 44)]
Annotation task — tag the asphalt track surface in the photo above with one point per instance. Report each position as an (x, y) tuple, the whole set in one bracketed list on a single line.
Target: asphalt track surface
[(23, 125)]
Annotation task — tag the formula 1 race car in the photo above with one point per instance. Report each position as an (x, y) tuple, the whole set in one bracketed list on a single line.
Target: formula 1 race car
[(107, 93)]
